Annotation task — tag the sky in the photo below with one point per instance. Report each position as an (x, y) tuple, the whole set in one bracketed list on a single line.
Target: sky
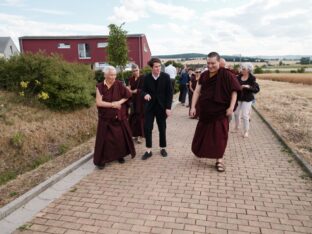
[(230, 27)]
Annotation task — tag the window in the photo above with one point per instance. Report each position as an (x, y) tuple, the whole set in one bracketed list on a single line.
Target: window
[(84, 51), (145, 48), (102, 44), (11, 49), (63, 46)]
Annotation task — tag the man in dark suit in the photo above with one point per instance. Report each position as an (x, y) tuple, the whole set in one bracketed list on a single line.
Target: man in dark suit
[(157, 92)]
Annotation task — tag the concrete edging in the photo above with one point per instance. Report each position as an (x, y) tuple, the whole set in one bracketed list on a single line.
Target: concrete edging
[(303, 163), (26, 197)]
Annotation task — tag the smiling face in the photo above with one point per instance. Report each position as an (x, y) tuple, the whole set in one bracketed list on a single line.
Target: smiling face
[(213, 64)]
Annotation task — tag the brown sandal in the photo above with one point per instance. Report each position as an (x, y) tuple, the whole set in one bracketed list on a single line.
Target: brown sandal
[(220, 167)]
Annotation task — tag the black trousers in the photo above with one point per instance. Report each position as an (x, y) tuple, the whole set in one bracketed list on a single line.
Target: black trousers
[(183, 92), (161, 116), (173, 86)]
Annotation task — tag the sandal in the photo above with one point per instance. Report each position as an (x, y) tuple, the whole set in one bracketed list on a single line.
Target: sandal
[(220, 167)]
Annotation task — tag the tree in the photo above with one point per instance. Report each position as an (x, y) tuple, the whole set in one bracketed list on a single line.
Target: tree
[(305, 60), (117, 48)]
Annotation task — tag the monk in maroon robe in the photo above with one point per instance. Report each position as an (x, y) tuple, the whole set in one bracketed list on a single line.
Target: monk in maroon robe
[(113, 137), (216, 94), (136, 118)]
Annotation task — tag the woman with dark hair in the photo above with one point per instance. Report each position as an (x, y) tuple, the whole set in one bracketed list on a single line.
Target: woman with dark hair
[(136, 118)]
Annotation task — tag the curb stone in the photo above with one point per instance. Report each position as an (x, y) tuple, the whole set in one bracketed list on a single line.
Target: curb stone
[(23, 199)]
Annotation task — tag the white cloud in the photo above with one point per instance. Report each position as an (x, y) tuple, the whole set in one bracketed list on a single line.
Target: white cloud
[(129, 11), (14, 3), (50, 12), (134, 10), (16, 26)]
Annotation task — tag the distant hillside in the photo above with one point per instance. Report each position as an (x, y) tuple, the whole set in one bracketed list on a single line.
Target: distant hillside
[(181, 56), (260, 58)]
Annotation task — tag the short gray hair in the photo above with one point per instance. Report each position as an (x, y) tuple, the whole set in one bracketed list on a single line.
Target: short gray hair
[(247, 66), (134, 66), (109, 68)]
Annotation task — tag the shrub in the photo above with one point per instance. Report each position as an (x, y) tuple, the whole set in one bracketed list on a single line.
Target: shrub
[(301, 70), (258, 70), (53, 81)]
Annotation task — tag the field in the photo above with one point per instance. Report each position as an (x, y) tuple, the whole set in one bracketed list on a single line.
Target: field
[(288, 107), (299, 78), (32, 135)]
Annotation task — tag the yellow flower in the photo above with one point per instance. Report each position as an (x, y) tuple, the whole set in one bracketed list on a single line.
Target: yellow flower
[(24, 84), (43, 95), (22, 93)]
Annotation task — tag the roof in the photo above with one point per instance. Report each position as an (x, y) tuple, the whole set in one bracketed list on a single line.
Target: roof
[(75, 37), (3, 43)]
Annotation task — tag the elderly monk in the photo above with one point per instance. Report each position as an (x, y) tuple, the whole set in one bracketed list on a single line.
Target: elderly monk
[(216, 94), (113, 137)]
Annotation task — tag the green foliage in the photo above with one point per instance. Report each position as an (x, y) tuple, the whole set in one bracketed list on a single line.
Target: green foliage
[(17, 140), (301, 70), (258, 70), (277, 71), (49, 79), (117, 48), (174, 63), (305, 60), (99, 76)]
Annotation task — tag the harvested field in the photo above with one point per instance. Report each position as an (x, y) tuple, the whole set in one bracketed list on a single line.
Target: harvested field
[(298, 78), (288, 107)]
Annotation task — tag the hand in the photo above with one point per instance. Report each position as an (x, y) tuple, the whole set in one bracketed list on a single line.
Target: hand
[(135, 91), (147, 97), (193, 112), (168, 112), (116, 105), (229, 111)]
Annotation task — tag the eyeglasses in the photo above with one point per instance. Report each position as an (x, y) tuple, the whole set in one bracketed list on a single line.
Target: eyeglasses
[(135, 70), (197, 72)]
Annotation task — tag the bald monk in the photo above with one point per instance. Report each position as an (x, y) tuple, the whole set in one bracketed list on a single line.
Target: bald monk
[(113, 137), (216, 94)]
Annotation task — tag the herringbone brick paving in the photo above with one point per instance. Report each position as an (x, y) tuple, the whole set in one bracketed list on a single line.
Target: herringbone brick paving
[(262, 191)]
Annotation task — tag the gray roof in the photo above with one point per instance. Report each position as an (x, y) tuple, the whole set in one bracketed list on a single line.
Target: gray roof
[(75, 37), (3, 43)]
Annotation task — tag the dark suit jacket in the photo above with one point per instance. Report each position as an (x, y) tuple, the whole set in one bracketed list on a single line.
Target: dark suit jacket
[(162, 95)]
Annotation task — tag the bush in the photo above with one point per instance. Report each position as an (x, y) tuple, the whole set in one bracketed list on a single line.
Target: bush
[(53, 81), (258, 70), (301, 70)]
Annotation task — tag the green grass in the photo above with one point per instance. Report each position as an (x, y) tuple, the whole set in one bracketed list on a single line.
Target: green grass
[(7, 176), (25, 227), (17, 140), (39, 161)]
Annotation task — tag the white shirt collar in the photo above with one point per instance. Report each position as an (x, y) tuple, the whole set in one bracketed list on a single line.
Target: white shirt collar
[(155, 77)]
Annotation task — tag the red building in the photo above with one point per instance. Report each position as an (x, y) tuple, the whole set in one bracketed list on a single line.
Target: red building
[(86, 49)]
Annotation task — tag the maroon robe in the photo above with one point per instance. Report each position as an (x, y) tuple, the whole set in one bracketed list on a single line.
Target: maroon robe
[(211, 133), (136, 118), (113, 137)]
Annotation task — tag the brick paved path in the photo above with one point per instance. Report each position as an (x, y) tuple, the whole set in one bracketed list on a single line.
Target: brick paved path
[(262, 191)]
